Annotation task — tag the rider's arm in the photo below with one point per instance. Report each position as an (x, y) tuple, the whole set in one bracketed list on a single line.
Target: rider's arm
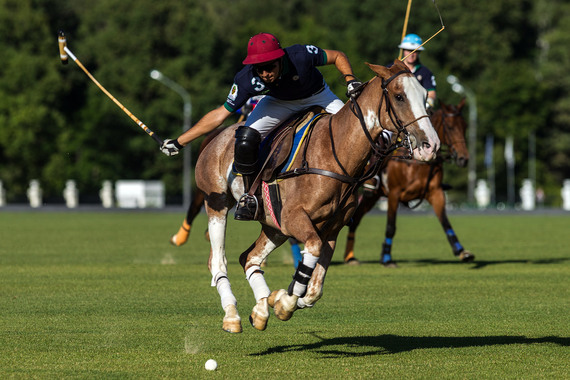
[(340, 60), (431, 96), (207, 123)]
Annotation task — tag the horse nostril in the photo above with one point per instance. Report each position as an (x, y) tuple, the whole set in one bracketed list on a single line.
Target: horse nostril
[(426, 145)]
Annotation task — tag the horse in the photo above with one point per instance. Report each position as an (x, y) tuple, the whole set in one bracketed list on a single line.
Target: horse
[(408, 180), (317, 194)]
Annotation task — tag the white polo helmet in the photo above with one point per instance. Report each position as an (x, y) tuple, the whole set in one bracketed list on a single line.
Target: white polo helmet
[(411, 42)]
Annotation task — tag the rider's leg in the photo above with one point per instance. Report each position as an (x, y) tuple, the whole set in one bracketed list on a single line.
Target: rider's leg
[(245, 161)]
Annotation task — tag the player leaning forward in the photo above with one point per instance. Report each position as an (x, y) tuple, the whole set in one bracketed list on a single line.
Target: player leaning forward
[(290, 81)]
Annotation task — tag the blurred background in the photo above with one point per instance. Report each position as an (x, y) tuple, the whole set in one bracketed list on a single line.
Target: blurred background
[(510, 58)]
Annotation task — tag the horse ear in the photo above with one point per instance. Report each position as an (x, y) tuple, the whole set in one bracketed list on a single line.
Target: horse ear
[(400, 65), (381, 71)]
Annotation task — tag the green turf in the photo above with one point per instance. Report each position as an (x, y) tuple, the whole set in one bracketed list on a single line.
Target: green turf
[(104, 296)]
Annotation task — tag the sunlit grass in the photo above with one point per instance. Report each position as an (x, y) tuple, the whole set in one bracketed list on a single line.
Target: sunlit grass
[(103, 295)]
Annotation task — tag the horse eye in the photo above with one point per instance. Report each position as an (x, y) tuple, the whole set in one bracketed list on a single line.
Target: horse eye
[(399, 98)]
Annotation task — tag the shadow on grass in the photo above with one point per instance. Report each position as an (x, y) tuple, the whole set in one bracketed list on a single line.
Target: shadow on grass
[(358, 346), (477, 264)]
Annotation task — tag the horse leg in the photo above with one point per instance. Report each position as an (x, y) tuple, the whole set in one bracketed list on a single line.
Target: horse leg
[(386, 256), (365, 204), (217, 264), (315, 286), (251, 261), (181, 236), (284, 301), (437, 200)]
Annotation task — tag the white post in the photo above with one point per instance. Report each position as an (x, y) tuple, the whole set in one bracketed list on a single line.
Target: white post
[(527, 195), (482, 194), (2, 195), (35, 193), (70, 194), (106, 194), (566, 195)]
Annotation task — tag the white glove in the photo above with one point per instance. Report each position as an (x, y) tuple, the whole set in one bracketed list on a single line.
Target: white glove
[(354, 88), (170, 147), (430, 103)]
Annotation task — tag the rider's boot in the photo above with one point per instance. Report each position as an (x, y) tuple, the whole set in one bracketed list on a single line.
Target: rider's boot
[(245, 162)]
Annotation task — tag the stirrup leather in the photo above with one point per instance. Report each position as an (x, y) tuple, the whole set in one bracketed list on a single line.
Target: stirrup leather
[(247, 207)]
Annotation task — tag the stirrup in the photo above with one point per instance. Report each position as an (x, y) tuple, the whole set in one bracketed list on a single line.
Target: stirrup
[(371, 188), (246, 208)]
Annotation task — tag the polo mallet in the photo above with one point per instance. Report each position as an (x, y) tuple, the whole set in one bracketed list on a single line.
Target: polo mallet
[(426, 41), (404, 29), (64, 52)]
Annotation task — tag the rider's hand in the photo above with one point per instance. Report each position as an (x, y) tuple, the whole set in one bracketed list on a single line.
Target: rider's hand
[(430, 103), (354, 88), (170, 147)]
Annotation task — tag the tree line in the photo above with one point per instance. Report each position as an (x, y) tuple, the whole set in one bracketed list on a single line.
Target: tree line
[(55, 124)]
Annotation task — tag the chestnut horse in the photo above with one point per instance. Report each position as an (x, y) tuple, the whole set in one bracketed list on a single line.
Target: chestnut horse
[(317, 195), (408, 180)]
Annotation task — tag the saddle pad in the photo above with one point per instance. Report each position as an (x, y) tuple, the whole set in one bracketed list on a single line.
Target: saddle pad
[(300, 135)]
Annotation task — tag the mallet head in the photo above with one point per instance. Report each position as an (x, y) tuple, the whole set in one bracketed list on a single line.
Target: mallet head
[(62, 44)]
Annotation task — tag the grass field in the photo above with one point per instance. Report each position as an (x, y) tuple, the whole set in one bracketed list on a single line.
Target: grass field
[(102, 295)]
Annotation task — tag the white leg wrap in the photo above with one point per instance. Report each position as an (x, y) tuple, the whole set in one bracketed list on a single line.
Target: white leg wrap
[(257, 282), (310, 261), (225, 291)]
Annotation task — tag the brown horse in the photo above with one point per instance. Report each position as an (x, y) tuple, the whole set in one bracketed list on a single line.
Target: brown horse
[(317, 197), (408, 180)]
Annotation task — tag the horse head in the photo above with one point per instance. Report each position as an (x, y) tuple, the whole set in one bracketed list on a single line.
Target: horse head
[(452, 132), (402, 109)]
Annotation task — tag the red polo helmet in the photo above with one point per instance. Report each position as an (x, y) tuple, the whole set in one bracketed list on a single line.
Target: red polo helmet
[(263, 47)]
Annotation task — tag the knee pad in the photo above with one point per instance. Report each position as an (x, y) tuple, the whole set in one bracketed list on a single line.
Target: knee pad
[(246, 150)]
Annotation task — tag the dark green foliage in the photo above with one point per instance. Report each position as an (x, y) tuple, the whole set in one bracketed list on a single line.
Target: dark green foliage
[(55, 124)]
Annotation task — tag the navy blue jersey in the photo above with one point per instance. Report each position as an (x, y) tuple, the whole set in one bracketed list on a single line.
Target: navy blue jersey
[(299, 78), (425, 77)]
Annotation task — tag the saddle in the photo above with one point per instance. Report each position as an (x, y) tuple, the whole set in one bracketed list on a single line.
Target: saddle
[(276, 148), (277, 152)]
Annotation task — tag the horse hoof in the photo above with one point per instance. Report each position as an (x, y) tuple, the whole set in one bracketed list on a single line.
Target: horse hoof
[(257, 322), (274, 296), (284, 306), (352, 261), (466, 256), (233, 327), (260, 315), (232, 321), (180, 238), (390, 264)]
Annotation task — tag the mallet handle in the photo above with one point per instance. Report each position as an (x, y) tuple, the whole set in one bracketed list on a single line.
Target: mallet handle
[(125, 110)]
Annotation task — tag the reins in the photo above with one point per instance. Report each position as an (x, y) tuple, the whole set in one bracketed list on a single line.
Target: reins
[(379, 152)]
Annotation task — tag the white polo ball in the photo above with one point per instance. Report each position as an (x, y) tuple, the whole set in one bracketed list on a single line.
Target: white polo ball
[(211, 365)]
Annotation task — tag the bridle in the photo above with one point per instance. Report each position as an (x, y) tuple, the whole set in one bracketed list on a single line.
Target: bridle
[(446, 134), (379, 151), (403, 137)]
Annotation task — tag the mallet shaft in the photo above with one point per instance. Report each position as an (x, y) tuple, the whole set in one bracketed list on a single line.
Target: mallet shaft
[(64, 51)]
